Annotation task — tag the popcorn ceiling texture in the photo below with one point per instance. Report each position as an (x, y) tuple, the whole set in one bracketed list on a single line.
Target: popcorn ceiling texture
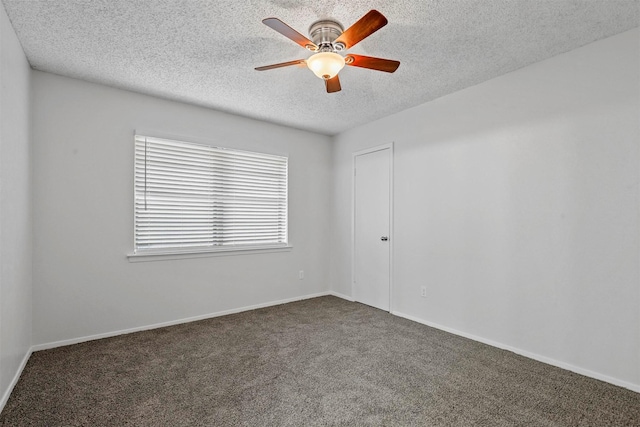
[(204, 51)]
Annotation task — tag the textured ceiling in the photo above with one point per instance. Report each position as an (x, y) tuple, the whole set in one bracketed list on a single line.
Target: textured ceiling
[(204, 51)]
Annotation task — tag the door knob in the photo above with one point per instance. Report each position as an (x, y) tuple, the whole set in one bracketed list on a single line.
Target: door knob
[(384, 238)]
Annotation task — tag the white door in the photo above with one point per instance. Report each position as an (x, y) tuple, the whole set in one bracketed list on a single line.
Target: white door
[(372, 202)]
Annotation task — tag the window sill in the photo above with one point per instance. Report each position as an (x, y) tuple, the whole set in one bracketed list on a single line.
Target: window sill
[(161, 256)]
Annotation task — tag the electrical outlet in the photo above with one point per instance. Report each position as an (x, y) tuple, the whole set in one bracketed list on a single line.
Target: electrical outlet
[(423, 291), (301, 274)]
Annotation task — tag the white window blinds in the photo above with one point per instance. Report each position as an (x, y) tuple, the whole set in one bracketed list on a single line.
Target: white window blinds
[(191, 197)]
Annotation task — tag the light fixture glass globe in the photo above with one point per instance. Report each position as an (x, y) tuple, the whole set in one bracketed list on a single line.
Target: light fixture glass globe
[(325, 65)]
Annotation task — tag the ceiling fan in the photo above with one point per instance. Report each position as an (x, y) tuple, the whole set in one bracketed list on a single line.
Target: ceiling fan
[(329, 38)]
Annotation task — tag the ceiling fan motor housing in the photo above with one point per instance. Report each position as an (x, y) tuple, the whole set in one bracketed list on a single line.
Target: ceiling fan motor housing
[(323, 33)]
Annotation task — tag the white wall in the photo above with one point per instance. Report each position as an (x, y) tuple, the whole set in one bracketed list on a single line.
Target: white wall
[(83, 214), (15, 207), (516, 205)]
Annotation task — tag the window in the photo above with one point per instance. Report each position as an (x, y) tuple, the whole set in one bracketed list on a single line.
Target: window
[(194, 197)]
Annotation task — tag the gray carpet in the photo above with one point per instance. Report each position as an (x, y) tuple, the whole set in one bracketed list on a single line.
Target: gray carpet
[(322, 361)]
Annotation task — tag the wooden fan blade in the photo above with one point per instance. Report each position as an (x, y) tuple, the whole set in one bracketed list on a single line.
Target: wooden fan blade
[(367, 25), (386, 65), (289, 32), (282, 64), (333, 85)]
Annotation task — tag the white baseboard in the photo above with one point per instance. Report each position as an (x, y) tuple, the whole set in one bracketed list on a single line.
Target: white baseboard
[(16, 377), (530, 355), (339, 295), (71, 341)]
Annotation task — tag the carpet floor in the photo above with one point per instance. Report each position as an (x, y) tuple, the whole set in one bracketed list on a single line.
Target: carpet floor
[(323, 361)]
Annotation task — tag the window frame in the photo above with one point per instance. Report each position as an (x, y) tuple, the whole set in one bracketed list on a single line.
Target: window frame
[(153, 254)]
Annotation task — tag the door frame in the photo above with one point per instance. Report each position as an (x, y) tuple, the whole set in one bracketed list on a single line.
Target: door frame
[(391, 240)]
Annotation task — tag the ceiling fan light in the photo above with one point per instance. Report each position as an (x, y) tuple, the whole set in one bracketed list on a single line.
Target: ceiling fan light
[(325, 65)]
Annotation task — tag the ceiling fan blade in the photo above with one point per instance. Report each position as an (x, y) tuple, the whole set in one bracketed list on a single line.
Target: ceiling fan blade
[(386, 65), (282, 64), (333, 85), (289, 32), (367, 25)]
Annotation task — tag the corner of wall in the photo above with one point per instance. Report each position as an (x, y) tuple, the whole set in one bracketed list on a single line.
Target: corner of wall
[(16, 235)]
